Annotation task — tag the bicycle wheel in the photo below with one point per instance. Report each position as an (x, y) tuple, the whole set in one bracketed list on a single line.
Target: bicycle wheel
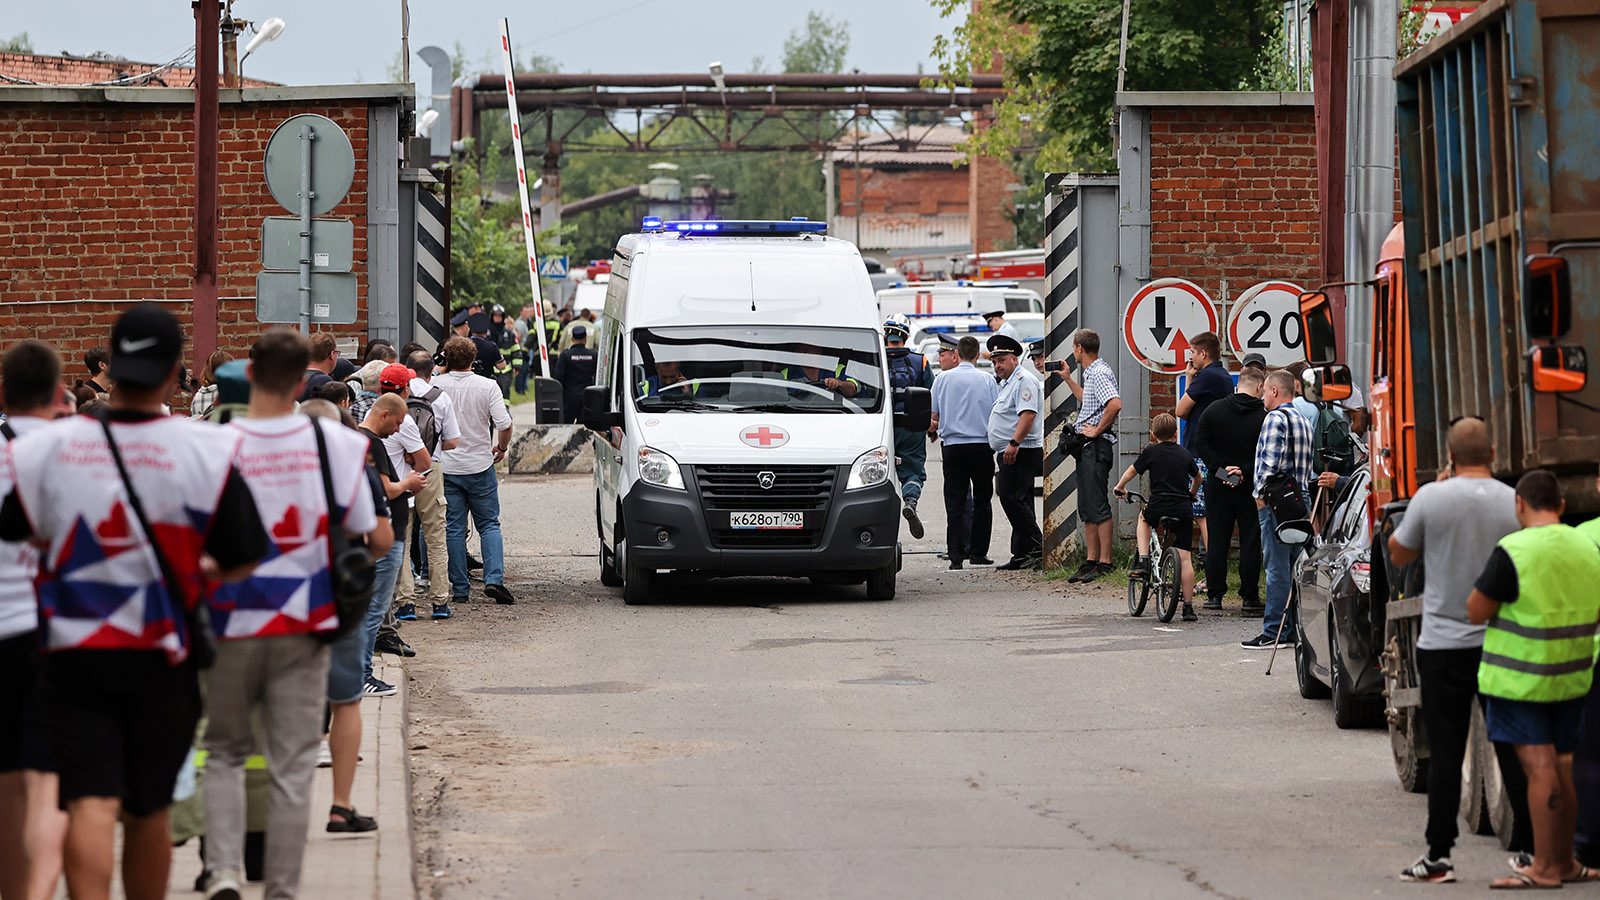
[(1138, 595), (1170, 590)]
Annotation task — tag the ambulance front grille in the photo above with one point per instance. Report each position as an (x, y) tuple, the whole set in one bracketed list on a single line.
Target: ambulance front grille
[(728, 488)]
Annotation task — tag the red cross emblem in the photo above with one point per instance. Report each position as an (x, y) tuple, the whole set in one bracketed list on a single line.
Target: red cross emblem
[(765, 437)]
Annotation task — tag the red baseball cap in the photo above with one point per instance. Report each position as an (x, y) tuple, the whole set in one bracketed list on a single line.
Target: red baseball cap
[(395, 376)]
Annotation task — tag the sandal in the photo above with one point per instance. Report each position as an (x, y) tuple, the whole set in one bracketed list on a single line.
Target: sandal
[(1524, 861), (351, 821), (1519, 881)]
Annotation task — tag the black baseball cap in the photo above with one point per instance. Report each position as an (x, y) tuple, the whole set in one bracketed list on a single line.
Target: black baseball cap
[(1255, 359), (1004, 343), (146, 343)]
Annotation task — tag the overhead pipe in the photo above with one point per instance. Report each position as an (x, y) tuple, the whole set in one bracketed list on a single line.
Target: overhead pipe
[(744, 99), (547, 81)]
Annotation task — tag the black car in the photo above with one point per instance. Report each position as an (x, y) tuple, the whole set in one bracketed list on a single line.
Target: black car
[(1339, 628)]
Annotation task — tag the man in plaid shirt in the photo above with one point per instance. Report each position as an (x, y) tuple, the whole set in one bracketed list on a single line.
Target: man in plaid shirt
[(1283, 448), (1098, 406)]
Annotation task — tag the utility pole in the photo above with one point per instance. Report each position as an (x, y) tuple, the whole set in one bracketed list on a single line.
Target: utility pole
[(206, 116)]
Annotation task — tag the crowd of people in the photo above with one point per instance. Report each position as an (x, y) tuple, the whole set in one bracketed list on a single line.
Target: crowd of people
[(206, 592)]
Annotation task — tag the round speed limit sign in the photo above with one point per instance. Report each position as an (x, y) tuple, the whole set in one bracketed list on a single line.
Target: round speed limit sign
[(1266, 320)]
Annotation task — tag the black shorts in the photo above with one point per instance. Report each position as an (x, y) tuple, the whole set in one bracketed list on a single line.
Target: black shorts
[(121, 724), (1182, 533), (23, 743)]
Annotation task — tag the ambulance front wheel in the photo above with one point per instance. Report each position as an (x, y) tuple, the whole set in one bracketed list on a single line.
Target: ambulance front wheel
[(880, 583), (636, 581)]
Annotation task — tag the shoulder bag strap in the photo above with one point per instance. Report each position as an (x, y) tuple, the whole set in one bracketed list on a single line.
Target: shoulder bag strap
[(172, 582), (336, 533)]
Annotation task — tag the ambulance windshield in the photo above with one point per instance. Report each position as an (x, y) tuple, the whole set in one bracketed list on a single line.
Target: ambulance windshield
[(757, 368)]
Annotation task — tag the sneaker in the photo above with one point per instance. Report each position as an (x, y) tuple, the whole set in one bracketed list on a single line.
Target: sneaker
[(1429, 871), (1188, 613), (499, 593), (913, 523), (1100, 569), (224, 885), (1250, 610), (407, 612), (1140, 567), (394, 646), (1261, 641), (1086, 572), (1212, 603), (441, 611), (324, 756), (376, 688)]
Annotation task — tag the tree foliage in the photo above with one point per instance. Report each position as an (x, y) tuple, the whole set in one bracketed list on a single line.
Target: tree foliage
[(17, 43), (488, 261), (819, 46), (1058, 59)]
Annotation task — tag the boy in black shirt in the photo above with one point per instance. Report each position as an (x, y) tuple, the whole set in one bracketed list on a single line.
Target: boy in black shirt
[(1174, 480)]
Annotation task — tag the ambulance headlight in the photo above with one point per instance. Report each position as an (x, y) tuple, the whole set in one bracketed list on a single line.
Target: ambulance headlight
[(659, 469), (870, 468)]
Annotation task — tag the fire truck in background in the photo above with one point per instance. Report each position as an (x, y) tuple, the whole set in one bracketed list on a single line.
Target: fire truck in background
[(1483, 304)]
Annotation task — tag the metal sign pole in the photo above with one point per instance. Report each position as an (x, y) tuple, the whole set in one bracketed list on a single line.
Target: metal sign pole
[(522, 194), (307, 135)]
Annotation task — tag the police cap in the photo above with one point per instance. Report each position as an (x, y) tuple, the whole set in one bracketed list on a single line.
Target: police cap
[(996, 314), (1004, 343), (460, 319)]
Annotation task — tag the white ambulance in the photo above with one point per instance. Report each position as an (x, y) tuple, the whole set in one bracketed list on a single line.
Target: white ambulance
[(744, 422)]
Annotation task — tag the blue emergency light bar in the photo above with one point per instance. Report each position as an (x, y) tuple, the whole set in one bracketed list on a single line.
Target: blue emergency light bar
[(956, 329), (733, 226)]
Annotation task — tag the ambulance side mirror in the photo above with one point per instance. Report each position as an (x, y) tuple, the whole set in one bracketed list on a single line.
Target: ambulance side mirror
[(918, 412), (597, 414), (1316, 323)]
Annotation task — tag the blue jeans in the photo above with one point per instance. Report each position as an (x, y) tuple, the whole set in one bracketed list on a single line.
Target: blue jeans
[(382, 595), (480, 495), (522, 380), (1277, 558)]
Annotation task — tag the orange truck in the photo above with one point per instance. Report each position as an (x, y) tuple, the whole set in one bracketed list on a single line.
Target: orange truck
[(1483, 304)]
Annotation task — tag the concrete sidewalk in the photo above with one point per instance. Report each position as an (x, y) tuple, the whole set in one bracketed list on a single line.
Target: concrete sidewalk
[(350, 866)]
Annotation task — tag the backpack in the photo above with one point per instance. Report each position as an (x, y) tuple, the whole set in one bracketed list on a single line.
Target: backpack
[(421, 411), (905, 371), (1332, 446)]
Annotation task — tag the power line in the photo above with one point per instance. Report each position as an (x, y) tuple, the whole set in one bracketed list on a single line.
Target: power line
[(587, 23)]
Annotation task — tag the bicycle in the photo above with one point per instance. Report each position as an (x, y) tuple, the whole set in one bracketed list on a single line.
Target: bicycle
[(1165, 577)]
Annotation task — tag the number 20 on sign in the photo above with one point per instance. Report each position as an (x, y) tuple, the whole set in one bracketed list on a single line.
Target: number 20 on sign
[(1266, 320)]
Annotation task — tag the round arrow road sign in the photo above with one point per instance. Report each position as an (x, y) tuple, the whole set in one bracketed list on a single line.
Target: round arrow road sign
[(1161, 318), (1266, 320)]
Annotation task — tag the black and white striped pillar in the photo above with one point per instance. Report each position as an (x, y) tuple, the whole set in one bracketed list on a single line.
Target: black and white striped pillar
[(430, 314), (1061, 302)]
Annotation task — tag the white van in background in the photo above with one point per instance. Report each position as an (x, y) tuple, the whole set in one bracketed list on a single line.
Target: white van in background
[(957, 298), (745, 424)]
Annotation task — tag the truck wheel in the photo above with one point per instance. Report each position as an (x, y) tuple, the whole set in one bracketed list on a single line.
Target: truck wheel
[(1310, 687), (880, 583), (1349, 710), (609, 576), (1496, 801), (1411, 768), (1474, 810)]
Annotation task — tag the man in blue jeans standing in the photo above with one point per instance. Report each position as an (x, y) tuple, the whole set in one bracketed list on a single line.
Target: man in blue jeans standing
[(470, 483), (388, 412), (1284, 449)]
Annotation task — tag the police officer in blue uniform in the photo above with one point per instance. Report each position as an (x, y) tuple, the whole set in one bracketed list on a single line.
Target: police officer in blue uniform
[(1016, 435), (907, 370)]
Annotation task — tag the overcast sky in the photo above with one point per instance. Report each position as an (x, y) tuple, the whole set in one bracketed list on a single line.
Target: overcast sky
[(340, 41)]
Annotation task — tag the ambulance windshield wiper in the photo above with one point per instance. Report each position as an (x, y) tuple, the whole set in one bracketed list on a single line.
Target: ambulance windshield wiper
[(663, 401), (784, 408)]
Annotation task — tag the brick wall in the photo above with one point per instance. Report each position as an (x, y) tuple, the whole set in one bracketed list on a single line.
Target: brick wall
[(73, 70), (1232, 196), (989, 204), (99, 206), (904, 191)]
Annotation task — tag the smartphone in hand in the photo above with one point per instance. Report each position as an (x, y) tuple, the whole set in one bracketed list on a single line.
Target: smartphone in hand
[(1054, 365)]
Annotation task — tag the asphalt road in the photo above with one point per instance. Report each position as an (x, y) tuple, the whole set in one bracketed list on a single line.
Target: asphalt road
[(983, 735)]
